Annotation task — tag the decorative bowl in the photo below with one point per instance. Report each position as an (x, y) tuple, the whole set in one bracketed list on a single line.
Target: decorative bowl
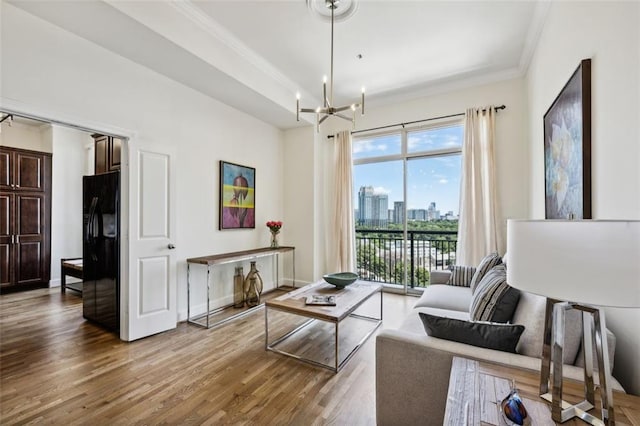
[(341, 279)]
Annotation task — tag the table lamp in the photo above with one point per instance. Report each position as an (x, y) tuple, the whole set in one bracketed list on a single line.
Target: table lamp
[(579, 264)]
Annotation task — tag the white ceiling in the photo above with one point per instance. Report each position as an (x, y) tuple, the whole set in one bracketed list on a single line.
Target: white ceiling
[(255, 55)]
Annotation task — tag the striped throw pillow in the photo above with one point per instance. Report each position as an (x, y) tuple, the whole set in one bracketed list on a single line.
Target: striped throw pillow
[(494, 299), (461, 275), (486, 264)]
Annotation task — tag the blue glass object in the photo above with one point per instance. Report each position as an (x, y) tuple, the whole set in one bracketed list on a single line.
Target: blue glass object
[(513, 409)]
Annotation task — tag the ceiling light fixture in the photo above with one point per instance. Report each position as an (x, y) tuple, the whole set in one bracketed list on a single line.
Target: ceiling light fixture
[(328, 109)]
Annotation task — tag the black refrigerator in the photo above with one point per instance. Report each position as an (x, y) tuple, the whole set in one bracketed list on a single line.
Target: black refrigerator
[(101, 249)]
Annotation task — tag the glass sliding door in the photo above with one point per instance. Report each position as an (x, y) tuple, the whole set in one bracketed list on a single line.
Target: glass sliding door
[(406, 196), (433, 188), (379, 221)]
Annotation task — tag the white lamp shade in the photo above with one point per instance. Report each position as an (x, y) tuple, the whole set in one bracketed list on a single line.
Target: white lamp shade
[(595, 262)]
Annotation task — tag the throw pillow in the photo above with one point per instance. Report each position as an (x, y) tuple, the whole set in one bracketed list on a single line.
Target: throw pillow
[(486, 264), (461, 275), (502, 337), (494, 300)]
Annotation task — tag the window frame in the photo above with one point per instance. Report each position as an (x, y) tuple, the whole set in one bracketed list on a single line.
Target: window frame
[(405, 156)]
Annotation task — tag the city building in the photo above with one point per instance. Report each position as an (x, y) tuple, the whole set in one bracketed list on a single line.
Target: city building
[(372, 208), (398, 212)]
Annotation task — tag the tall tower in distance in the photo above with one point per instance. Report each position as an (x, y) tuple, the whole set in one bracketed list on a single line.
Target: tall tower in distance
[(372, 208)]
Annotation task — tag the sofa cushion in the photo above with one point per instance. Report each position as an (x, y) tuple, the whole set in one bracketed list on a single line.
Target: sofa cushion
[(494, 300), (413, 324), (439, 276), (444, 296), (485, 265), (611, 349), (461, 275), (530, 312), (502, 337)]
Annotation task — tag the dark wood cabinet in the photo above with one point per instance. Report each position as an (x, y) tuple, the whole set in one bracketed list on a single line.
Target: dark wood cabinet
[(23, 170), (6, 165), (108, 150), (25, 225), (6, 238)]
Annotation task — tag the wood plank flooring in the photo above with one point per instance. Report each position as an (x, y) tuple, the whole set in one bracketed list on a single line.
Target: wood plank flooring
[(57, 368)]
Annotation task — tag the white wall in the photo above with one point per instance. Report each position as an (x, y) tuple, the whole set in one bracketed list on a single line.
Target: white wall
[(511, 148), (609, 34), (25, 136), (301, 211), (68, 166), (50, 72)]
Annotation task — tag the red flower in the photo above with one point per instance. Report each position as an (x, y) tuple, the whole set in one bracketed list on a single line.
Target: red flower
[(274, 225)]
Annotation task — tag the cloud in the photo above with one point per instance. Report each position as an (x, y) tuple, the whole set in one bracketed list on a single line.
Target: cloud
[(379, 190), (368, 145), (443, 181), (433, 139), (452, 141)]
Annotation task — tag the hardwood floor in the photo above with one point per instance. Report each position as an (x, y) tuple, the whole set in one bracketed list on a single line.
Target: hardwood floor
[(57, 368)]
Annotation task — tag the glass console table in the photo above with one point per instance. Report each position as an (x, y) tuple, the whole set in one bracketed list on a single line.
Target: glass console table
[(203, 319)]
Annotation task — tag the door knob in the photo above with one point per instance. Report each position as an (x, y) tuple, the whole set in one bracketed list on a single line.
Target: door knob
[(171, 246)]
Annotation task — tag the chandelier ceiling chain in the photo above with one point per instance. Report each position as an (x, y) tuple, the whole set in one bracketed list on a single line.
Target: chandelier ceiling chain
[(328, 110)]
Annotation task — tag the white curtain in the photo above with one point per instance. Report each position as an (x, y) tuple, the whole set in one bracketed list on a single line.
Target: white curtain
[(342, 235), (478, 226)]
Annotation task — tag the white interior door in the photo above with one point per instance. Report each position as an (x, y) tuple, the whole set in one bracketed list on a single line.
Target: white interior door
[(152, 263)]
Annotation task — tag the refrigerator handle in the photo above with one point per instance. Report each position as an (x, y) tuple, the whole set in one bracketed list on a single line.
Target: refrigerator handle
[(89, 236), (92, 212), (98, 230)]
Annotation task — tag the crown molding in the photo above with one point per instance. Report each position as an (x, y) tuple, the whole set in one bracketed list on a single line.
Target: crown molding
[(443, 86), (534, 32), (213, 28)]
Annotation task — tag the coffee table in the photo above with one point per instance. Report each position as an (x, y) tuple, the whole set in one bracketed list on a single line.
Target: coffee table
[(348, 299)]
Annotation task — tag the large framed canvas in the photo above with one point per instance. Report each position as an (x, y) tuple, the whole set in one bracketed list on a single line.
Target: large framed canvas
[(237, 196), (567, 149)]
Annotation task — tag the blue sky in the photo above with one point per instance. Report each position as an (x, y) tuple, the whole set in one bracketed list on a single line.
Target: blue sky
[(428, 179)]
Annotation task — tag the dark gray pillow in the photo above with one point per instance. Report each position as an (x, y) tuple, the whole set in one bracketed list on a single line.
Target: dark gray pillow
[(494, 300), (502, 337), (485, 265)]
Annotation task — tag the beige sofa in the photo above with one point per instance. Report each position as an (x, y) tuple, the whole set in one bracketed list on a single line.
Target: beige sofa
[(412, 368)]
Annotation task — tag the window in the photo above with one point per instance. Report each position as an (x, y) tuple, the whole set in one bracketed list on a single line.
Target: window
[(406, 197)]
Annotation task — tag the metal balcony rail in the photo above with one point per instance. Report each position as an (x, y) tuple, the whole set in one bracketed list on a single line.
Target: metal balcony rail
[(380, 255)]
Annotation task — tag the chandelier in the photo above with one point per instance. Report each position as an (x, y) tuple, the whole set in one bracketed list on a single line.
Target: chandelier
[(328, 109)]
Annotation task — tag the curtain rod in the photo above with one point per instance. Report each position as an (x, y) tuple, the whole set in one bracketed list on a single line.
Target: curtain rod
[(414, 122)]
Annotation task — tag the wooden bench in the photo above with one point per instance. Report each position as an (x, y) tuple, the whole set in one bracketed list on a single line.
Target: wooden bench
[(73, 268)]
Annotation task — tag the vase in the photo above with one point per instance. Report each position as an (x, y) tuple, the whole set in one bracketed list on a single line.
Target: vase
[(253, 296), (274, 239), (238, 288), (253, 273)]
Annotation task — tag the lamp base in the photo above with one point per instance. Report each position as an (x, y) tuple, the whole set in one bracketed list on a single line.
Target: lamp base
[(593, 327), (569, 411)]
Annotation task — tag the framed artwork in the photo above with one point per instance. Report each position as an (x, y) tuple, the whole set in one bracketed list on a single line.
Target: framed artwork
[(237, 196), (567, 149)]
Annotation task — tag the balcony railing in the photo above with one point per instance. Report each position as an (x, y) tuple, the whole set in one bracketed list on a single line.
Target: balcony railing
[(380, 255)]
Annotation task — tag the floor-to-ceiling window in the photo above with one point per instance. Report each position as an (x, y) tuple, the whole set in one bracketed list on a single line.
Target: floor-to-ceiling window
[(406, 196)]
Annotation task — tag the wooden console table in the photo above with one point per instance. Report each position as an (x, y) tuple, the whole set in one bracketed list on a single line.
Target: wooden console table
[(477, 388), (226, 258)]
